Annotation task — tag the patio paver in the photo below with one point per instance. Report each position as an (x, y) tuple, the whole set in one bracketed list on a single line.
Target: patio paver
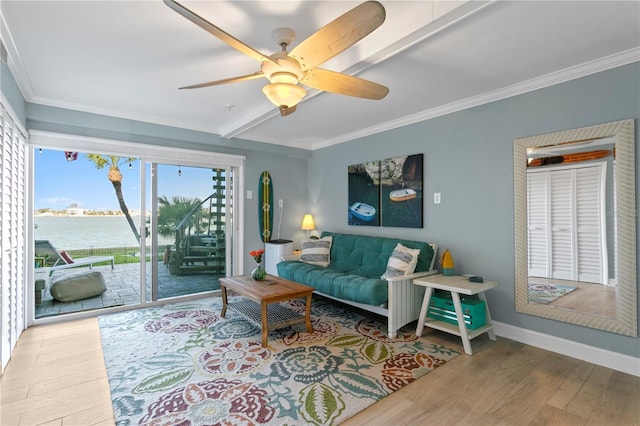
[(123, 288)]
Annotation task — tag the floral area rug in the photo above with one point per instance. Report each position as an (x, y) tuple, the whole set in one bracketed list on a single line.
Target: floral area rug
[(544, 294), (182, 364)]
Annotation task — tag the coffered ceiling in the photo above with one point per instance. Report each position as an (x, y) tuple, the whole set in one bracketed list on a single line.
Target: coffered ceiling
[(128, 58)]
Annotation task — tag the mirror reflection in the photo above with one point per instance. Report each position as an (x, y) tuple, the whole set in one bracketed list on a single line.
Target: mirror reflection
[(575, 218), (571, 231)]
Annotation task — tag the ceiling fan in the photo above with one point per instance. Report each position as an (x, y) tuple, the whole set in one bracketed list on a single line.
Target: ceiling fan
[(285, 70)]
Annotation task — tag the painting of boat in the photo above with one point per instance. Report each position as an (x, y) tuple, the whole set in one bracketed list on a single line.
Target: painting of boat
[(363, 211), (402, 194)]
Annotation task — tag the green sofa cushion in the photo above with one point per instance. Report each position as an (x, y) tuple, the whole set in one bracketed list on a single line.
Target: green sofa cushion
[(368, 256), (357, 263), (357, 288)]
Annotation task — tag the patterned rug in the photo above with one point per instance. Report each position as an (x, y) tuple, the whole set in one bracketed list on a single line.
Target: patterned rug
[(182, 364), (544, 294)]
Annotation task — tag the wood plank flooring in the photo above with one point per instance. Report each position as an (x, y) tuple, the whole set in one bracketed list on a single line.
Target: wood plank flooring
[(590, 298), (57, 376)]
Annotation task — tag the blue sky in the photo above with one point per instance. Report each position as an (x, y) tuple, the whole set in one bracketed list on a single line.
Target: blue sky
[(60, 183)]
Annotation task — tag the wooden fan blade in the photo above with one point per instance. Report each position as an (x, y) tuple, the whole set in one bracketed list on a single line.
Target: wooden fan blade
[(339, 34), (226, 81), (218, 32), (344, 84)]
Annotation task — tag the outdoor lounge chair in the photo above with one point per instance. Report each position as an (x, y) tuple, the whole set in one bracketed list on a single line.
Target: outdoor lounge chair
[(61, 260)]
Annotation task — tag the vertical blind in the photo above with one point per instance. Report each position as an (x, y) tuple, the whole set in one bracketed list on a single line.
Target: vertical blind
[(12, 232)]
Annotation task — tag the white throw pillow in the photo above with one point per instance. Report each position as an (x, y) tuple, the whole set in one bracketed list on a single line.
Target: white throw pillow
[(402, 261), (317, 252)]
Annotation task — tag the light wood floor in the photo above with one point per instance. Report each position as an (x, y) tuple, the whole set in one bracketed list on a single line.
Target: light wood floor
[(57, 376), (591, 298)]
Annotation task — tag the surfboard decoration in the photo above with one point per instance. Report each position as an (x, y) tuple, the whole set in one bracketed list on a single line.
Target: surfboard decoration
[(569, 158), (265, 211)]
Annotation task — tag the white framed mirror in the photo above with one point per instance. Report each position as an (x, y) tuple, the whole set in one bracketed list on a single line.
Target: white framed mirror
[(575, 226)]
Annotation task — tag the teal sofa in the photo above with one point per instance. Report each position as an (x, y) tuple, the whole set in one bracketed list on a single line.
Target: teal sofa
[(357, 263)]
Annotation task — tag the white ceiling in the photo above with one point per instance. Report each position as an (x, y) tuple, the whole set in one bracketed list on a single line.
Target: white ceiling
[(128, 58)]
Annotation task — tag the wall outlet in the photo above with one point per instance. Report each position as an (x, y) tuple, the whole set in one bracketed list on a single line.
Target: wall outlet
[(249, 195), (280, 203), (436, 198)]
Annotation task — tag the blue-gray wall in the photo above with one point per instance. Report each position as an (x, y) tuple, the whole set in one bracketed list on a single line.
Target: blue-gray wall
[(12, 94), (469, 160)]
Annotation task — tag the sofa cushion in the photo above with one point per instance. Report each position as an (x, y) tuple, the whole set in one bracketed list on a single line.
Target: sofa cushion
[(402, 261), (317, 252), (356, 264), (368, 255), (357, 288)]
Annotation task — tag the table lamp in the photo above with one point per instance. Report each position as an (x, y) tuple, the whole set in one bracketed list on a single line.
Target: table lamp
[(307, 224)]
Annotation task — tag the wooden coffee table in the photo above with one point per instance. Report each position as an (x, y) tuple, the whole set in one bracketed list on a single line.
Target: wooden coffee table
[(262, 294)]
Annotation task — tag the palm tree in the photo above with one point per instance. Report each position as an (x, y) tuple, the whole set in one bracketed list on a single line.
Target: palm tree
[(172, 211), (115, 177)]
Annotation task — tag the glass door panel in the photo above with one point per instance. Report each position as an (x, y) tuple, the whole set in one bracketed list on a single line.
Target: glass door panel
[(188, 222), (86, 212)]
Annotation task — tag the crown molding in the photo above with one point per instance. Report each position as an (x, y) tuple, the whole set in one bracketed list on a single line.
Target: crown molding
[(14, 60), (592, 67), (21, 76)]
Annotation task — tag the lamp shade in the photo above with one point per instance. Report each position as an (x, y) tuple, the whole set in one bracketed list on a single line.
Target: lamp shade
[(284, 94), (307, 223)]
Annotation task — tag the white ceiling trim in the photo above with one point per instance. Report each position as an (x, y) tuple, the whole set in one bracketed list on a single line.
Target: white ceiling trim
[(453, 20), (421, 34), (112, 113), (446, 21), (160, 154), (551, 79), (14, 60), (23, 80)]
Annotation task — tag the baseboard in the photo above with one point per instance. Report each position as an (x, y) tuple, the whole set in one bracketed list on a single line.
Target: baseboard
[(602, 357)]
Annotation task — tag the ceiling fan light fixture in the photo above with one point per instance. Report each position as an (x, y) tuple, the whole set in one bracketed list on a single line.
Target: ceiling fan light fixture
[(285, 72), (284, 64), (283, 77), (284, 94)]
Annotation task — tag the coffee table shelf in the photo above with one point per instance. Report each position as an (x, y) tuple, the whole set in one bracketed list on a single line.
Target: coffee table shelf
[(277, 315), (262, 302)]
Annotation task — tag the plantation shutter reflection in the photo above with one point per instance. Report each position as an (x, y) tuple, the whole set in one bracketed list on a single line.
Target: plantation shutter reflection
[(538, 201), (562, 224), (590, 225), (567, 227)]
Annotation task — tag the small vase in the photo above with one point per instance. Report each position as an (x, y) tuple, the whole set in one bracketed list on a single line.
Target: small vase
[(259, 274)]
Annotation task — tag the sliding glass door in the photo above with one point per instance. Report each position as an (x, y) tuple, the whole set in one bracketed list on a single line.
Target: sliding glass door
[(189, 225), (86, 218), (154, 229)]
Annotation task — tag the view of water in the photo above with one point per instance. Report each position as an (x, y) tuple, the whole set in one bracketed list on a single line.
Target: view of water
[(80, 232)]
